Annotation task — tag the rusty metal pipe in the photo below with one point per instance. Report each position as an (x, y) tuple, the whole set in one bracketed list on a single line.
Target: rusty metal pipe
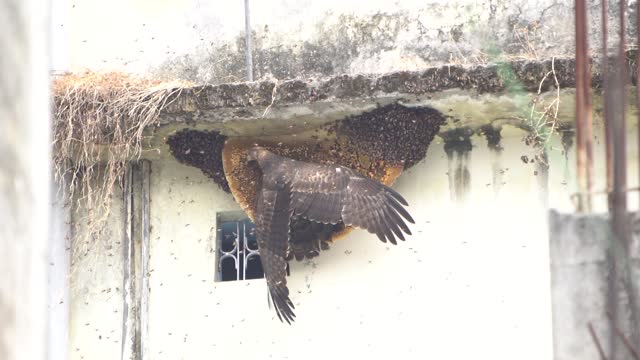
[(618, 195), (621, 245), (584, 132), (612, 298), (638, 78), (605, 104)]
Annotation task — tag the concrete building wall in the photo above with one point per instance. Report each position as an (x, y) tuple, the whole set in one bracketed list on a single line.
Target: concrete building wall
[(96, 283), (476, 270), (473, 280), (446, 284), (203, 41), (580, 246)]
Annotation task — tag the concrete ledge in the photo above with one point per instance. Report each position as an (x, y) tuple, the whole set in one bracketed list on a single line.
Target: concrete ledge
[(469, 95), (249, 100)]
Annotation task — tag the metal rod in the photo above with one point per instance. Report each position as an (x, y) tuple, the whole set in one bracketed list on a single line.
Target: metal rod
[(238, 251), (128, 350), (247, 30), (631, 284), (618, 199), (638, 76), (621, 223), (605, 104), (596, 341), (584, 132), (145, 169), (613, 93), (625, 340), (619, 252)]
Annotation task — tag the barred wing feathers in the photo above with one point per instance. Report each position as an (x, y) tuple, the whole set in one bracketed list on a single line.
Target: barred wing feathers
[(272, 230), (329, 194)]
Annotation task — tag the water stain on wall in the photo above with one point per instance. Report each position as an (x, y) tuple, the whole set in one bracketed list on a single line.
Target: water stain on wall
[(457, 146), (542, 173), (494, 139), (567, 140)]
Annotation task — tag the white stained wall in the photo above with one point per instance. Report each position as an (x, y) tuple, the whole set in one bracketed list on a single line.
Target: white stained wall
[(96, 282), (138, 35), (473, 280), (143, 33)]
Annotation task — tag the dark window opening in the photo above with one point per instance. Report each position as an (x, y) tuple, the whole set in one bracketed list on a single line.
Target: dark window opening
[(237, 252), (238, 257)]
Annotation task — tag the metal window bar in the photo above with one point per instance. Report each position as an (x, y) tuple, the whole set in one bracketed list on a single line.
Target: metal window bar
[(241, 251), (248, 252)]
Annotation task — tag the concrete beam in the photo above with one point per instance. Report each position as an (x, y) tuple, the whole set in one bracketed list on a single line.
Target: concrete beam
[(470, 96)]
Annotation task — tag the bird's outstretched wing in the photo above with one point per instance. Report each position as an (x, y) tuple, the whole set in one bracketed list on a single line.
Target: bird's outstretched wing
[(329, 194), (272, 231)]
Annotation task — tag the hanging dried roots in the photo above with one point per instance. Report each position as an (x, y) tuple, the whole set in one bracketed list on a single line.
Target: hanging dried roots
[(99, 123)]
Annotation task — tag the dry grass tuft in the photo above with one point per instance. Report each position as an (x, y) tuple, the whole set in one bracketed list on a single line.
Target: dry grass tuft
[(99, 125), (543, 116)]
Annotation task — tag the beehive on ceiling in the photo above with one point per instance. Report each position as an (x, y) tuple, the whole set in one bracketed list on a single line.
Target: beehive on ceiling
[(379, 144)]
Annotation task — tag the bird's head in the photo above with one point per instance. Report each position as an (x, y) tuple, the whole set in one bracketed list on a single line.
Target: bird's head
[(256, 153)]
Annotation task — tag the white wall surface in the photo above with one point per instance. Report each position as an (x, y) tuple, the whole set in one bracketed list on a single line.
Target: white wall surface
[(203, 40), (96, 279), (473, 280)]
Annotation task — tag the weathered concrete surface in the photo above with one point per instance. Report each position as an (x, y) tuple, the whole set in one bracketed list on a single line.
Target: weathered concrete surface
[(468, 96), (346, 94), (203, 41), (579, 271), (96, 284), (475, 272)]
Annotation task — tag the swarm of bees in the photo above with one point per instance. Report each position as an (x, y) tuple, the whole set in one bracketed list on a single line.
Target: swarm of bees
[(379, 144)]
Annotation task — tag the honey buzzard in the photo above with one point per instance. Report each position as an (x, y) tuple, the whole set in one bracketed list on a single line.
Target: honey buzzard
[(328, 194)]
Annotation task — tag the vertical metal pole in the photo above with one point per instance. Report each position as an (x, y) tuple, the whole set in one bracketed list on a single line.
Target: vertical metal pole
[(621, 245), (621, 216), (129, 304), (145, 252), (610, 104), (618, 196), (606, 103), (247, 30), (584, 131), (638, 78), (238, 251)]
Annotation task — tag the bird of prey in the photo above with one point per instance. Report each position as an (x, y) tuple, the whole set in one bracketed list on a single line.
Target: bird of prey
[(328, 194)]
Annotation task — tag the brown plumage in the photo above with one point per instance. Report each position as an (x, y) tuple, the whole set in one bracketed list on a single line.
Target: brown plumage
[(327, 194)]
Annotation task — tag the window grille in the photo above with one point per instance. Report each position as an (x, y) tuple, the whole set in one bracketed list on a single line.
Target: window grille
[(238, 257)]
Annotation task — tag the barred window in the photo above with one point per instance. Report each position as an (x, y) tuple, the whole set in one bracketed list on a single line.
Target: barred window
[(238, 257)]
